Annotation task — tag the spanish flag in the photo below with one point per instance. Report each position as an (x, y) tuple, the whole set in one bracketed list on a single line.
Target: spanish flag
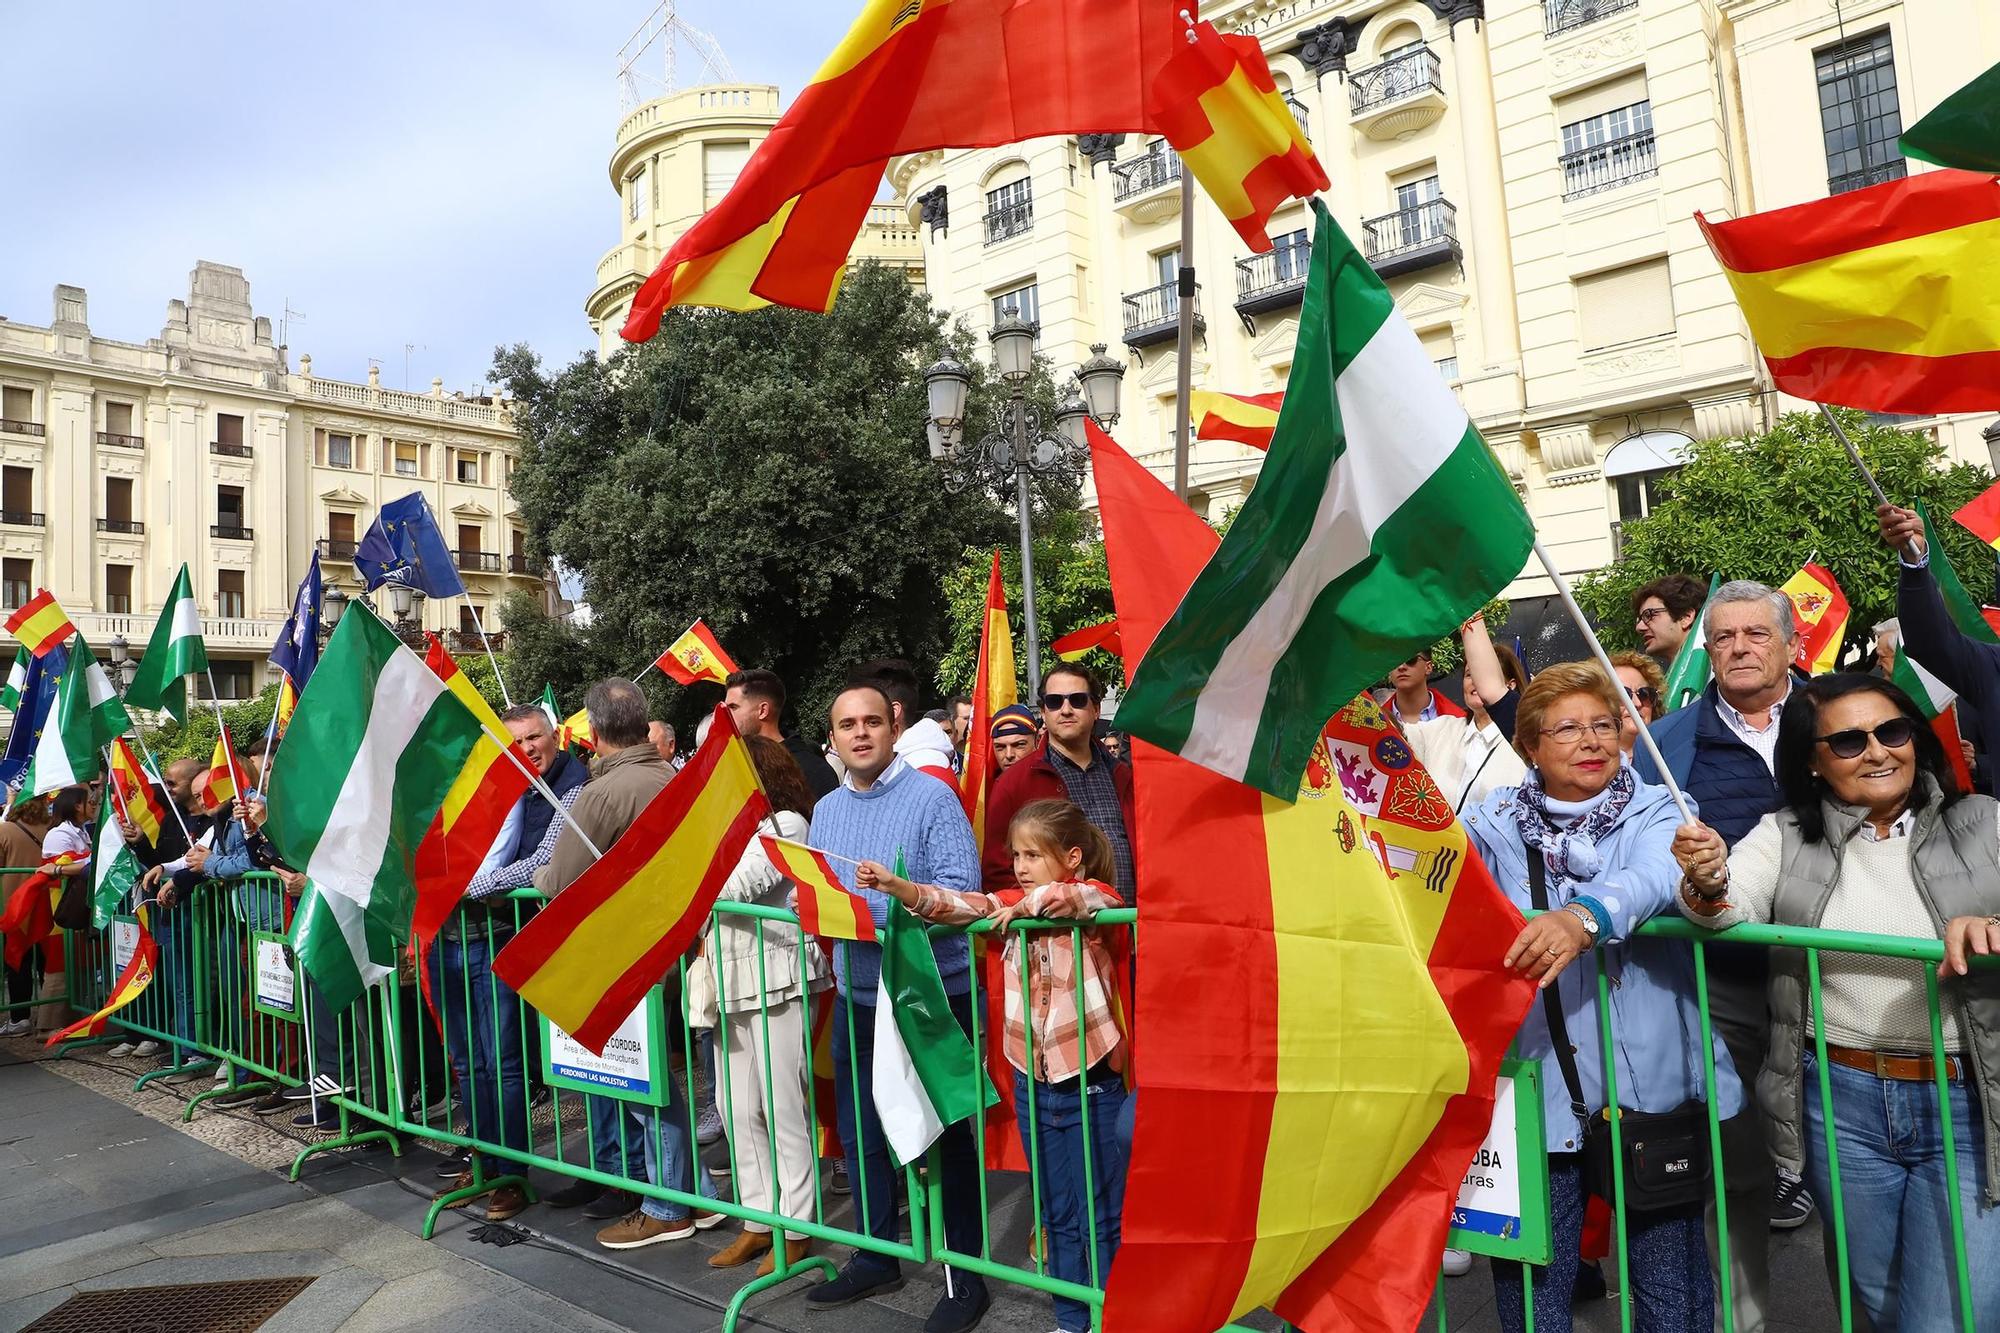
[(1342, 1080), (1819, 608), (1247, 418), (288, 703), (992, 690), (1220, 108), (1073, 645), (225, 780), (910, 75), (40, 624), (30, 915), (589, 957), (1886, 299), (137, 794), (826, 907), (131, 983), (696, 655), (1980, 516)]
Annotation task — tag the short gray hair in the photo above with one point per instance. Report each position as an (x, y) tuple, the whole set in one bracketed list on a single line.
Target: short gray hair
[(618, 712), (1749, 590)]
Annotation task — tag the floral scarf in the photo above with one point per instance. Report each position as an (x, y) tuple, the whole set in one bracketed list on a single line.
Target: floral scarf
[(1568, 843)]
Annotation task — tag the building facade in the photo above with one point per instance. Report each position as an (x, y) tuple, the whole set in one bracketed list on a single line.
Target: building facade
[(120, 461)]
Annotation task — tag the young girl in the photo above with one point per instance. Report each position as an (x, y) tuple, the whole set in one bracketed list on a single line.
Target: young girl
[(1063, 1058)]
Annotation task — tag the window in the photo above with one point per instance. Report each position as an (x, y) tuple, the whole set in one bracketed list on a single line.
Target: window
[(228, 433), (1026, 302), (339, 450), (17, 406), (1289, 255), (340, 536), (232, 680), (17, 494), (1010, 210), (118, 589), (1442, 349), (406, 460), (229, 596), (16, 580), (1624, 305), (1859, 116), (229, 520), (468, 467), (721, 163), (1413, 195), (118, 503), (118, 418), (1448, 368), (468, 537), (1167, 266), (470, 618), (636, 189), (1418, 218), (1607, 136)]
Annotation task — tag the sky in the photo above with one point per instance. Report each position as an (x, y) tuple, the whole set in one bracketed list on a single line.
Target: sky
[(418, 173)]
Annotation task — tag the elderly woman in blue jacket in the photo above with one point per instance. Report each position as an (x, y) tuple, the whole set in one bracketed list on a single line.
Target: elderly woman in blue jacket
[(1603, 841)]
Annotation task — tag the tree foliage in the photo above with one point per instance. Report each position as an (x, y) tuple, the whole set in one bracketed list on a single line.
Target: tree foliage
[(1072, 590), (1760, 507)]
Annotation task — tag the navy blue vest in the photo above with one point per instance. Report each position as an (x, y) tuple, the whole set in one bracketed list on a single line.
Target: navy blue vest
[(564, 775), (1734, 791)]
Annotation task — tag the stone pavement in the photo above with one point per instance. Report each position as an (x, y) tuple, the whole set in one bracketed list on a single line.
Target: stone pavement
[(103, 1187)]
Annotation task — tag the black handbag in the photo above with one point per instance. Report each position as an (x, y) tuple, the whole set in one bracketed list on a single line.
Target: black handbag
[(1665, 1152)]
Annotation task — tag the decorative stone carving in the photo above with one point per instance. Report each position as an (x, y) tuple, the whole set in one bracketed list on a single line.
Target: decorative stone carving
[(1324, 49), (1455, 12), (1650, 360), (1512, 451), (934, 211), (1724, 418), (1567, 449), (1575, 60), (1101, 149)]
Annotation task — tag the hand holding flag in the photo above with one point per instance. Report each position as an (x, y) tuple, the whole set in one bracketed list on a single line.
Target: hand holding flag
[(827, 908)]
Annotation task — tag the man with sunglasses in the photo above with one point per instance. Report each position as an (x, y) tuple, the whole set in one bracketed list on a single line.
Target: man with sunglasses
[(1722, 750), (1411, 697), (1069, 765)]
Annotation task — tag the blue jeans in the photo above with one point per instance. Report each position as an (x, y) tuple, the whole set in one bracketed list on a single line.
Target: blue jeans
[(1069, 1209), (176, 938), (1890, 1141), (670, 1158), (482, 1037), (608, 1153)]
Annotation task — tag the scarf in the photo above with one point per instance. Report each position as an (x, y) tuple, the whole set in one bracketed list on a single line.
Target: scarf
[(1568, 841)]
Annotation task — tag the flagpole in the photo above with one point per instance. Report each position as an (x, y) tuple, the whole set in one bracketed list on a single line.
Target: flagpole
[(1854, 457), (1611, 673), (139, 734), (491, 660)]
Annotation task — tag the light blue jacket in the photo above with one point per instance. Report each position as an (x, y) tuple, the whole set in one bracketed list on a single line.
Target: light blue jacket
[(1655, 1022)]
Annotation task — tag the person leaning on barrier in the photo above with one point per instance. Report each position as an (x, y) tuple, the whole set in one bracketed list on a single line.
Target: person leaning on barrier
[(21, 834), (1599, 841), (174, 982), (1875, 838)]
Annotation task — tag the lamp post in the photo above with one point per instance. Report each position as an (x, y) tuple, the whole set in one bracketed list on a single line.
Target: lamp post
[(122, 666), (331, 608), (408, 605), (1017, 447)]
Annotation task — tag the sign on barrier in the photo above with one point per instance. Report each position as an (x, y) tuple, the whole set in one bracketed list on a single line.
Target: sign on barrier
[(633, 1066), (274, 978), (1503, 1203), (124, 942)]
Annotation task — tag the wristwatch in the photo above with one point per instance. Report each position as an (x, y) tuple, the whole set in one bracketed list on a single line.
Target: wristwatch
[(1584, 915)]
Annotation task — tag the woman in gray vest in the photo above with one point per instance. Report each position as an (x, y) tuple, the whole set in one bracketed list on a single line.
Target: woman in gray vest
[(1874, 837)]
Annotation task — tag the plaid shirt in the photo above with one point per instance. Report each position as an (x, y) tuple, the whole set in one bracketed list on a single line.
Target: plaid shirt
[(1052, 976), (1095, 792)]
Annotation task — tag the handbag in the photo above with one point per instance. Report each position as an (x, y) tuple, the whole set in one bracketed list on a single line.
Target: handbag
[(74, 909), (703, 1011), (1665, 1155)]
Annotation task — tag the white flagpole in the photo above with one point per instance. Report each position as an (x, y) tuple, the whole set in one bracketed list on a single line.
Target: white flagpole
[(139, 734), (488, 645)]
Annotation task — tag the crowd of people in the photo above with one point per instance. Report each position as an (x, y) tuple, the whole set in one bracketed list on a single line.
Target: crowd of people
[(1823, 802)]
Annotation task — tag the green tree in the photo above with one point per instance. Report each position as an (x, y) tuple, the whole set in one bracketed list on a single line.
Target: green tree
[(1760, 507), (1072, 589), (764, 471), (195, 738)]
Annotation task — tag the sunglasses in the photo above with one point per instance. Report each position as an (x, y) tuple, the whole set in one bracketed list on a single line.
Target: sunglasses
[(1894, 735), (1645, 694), (1079, 700)]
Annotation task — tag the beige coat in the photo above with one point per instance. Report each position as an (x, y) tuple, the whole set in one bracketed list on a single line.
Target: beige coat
[(732, 944), (620, 786)]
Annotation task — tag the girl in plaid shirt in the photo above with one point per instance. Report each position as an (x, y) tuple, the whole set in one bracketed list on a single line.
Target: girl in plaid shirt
[(1069, 1055)]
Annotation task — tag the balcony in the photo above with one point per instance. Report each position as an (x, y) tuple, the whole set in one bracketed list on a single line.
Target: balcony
[(1561, 16), (1412, 239), (130, 525), (1398, 97), (1867, 176), (1147, 188), (478, 562), (1010, 220), (1607, 166), (1274, 281), (330, 549), (1298, 109), (522, 565), (9, 426), (1153, 315), (465, 642), (229, 450), (234, 532), (114, 439), (22, 518)]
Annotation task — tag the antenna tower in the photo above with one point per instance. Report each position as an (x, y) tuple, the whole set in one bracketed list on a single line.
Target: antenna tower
[(667, 31)]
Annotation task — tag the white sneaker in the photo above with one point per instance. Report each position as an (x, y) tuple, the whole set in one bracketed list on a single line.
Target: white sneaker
[(1457, 1263), (121, 1050), (146, 1048), (15, 1028), (222, 1073)]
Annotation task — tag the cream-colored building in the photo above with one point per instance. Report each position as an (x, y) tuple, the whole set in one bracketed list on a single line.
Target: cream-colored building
[(1522, 173), (119, 461), (675, 157)]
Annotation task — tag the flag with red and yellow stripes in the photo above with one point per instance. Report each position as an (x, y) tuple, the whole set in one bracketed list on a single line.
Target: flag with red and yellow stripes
[(1886, 298), (1220, 108), (993, 688), (587, 959), (696, 655), (39, 623), (131, 984), (1073, 645), (826, 906), (1247, 418), (910, 75), (138, 796), (225, 780), (288, 703), (1820, 611), (1344, 1078)]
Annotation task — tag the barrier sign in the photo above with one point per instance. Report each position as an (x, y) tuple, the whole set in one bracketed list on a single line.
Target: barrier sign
[(124, 943), (274, 979), (1503, 1203), (633, 1066)]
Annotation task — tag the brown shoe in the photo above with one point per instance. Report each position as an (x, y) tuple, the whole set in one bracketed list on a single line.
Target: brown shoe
[(636, 1230), (463, 1180), (795, 1254), (505, 1202), (747, 1246)]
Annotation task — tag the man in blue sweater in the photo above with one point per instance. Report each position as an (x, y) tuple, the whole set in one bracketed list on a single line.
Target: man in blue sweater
[(885, 809), (1722, 750)]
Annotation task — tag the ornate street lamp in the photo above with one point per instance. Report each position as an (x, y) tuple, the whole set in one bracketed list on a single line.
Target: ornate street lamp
[(123, 668), (331, 608)]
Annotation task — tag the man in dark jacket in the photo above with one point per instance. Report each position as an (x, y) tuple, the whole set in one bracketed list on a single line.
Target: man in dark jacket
[(1965, 665), (756, 699), (1722, 750)]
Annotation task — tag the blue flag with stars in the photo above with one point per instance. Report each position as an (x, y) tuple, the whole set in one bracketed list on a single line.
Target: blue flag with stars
[(404, 545), (297, 650), (38, 697)]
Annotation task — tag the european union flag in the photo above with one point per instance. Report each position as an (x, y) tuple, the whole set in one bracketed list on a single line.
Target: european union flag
[(297, 649), (404, 545), (38, 697)]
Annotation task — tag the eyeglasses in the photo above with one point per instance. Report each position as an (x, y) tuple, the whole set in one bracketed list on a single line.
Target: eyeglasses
[(1645, 694), (1755, 637), (1894, 735), (1413, 661), (1571, 733), (1650, 614), (1078, 700)]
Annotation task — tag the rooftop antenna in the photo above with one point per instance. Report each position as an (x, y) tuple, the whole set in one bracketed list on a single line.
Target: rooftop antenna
[(285, 319), (670, 32), (407, 349)]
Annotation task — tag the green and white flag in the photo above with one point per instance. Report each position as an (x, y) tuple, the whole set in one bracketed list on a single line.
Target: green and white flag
[(17, 680), (1689, 675), (1379, 523), (173, 653), (926, 1074), (369, 755), (114, 867), (66, 752), (108, 718), (548, 703)]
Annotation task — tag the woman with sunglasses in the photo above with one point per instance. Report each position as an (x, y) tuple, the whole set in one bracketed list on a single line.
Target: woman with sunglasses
[(1875, 837), (1644, 684)]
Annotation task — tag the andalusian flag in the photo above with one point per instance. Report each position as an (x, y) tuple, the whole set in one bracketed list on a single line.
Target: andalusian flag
[(910, 75), (589, 957), (375, 747), (40, 624), (1078, 642), (1886, 298), (696, 655), (1939, 703), (66, 752), (1963, 130), (173, 653), (1380, 522), (1691, 671), (1247, 418), (925, 1073), (137, 795), (1220, 108), (827, 908), (548, 705), (992, 690), (114, 867), (131, 984), (17, 679), (1343, 1078), (1974, 621), (225, 779), (1819, 609)]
